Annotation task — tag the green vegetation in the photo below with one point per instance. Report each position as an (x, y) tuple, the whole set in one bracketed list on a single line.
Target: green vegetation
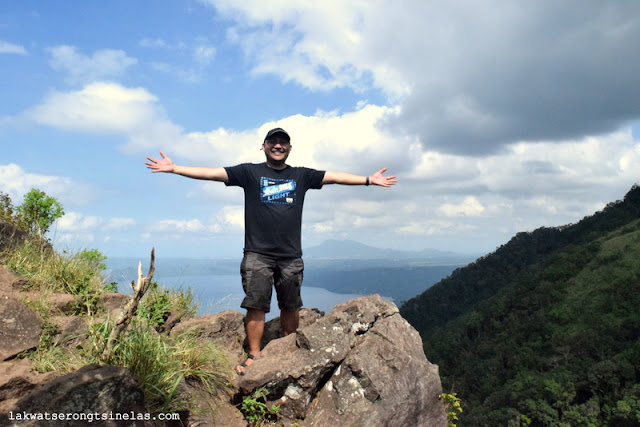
[(160, 363), (545, 331), (453, 405), (170, 369), (256, 410), (159, 303), (36, 214), (48, 271)]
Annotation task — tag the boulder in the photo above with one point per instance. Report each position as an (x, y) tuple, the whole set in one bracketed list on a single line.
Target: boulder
[(7, 279), (20, 328), (225, 329), (113, 300), (273, 330), (73, 330), (385, 380), (90, 392), (16, 380), (362, 364)]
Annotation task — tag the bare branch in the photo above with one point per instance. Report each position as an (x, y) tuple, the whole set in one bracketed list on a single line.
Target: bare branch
[(130, 309)]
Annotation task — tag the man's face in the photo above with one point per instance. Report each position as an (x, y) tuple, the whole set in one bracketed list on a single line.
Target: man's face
[(277, 149)]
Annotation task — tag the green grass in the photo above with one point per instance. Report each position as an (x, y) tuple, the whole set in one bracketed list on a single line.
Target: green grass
[(159, 363), (48, 271)]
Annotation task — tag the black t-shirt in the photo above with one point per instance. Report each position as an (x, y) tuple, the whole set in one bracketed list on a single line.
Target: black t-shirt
[(273, 202)]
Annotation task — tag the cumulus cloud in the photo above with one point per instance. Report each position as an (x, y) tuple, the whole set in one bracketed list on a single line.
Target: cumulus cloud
[(104, 64), (10, 48), (227, 218), (16, 182), (470, 206), (77, 222), (470, 77), (192, 225), (108, 108)]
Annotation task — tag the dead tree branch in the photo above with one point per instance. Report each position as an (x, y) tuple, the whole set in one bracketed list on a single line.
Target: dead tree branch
[(123, 320)]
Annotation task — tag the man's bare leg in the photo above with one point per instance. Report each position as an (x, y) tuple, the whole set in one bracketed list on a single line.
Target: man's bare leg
[(289, 321), (254, 326)]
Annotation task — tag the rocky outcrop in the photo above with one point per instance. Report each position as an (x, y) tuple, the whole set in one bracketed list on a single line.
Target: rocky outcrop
[(362, 364), (85, 396)]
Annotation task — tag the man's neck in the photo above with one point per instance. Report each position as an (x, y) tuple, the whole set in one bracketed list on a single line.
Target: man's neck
[(276, 166)]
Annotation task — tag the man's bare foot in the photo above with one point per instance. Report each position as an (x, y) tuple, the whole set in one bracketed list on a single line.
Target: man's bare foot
[(240, 369)]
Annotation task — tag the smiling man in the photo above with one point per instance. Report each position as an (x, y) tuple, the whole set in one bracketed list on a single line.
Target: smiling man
[(274, 197)]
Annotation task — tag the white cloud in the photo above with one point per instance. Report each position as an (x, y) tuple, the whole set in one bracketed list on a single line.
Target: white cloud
[(16, 182), (82, 69), (74, 222), (204, 54), (76, 230), (10, 48), (108, 108), (470, 206), (172, 225), (153, 43), (471, 77)]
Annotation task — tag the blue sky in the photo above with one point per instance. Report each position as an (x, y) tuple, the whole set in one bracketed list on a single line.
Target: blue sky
[(496, 117)]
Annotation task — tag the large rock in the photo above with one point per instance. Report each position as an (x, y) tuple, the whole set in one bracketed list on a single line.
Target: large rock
[(362, 364), (225, 329), (10, 235), (91, 391), (273, 329), (17, 378), (7, 280), (20, 328)]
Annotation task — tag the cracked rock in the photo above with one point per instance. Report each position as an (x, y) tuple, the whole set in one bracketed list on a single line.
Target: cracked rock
[(361, 364)]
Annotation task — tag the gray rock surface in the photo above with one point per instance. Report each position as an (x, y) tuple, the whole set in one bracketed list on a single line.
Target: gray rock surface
[(92, 390), (20, 328), (362, 364)]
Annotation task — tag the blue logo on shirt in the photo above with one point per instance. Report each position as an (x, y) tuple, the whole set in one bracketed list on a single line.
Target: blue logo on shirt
[(276, 190)]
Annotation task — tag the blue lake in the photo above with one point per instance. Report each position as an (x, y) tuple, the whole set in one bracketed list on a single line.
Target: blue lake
[(221, 292)]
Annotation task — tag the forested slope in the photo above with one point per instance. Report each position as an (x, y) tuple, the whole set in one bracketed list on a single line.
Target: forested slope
[(545, 330)]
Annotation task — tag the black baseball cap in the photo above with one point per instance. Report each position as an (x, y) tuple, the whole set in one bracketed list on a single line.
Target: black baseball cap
[(275, 131)]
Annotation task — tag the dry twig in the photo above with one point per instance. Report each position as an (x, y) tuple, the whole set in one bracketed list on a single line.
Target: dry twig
[(123, 320)]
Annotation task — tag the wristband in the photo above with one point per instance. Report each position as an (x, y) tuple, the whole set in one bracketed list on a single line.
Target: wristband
[(367, 181)]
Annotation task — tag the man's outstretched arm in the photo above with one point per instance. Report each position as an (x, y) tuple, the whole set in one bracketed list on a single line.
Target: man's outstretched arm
[(195, 172), (350, 179)]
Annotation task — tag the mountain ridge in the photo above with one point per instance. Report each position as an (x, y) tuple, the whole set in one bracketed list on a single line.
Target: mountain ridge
[(351, 249), (546, 329)]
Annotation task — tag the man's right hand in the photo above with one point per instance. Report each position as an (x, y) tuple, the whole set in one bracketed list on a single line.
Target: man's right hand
[(164, 165)]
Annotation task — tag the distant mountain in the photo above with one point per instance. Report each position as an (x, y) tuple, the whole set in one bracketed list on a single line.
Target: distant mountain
[(349, 249), (546, 329)]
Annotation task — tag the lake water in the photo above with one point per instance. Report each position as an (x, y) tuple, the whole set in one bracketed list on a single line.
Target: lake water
[(219, 292)]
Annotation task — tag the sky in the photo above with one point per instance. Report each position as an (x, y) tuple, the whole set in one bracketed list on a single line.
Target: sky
[(497, 117)]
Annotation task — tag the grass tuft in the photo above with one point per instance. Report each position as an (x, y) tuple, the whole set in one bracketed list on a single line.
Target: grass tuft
[(168, 369)]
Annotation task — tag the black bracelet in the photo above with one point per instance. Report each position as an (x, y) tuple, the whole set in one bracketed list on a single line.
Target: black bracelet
[(367, 181)]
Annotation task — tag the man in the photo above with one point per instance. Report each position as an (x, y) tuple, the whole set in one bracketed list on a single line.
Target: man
[(274, 196)]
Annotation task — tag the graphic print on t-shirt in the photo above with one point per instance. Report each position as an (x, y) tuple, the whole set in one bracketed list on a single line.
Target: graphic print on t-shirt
[(276, 190)]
